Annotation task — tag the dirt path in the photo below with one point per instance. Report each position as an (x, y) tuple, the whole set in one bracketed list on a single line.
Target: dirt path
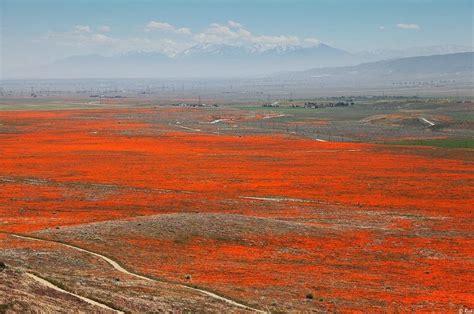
[(217, 121), (185, 127), (427, 121), (48, 284), (119, 268), (278, 199)]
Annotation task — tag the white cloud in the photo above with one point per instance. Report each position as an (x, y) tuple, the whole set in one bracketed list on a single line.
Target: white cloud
[(234, 24), (382, 27), (234, 33), (81, 38), (311, 42), (231, 33), (175, 39), (97, 42), (166, 27), (183, 31), (101, 39), (153, 26), (104, 29), (220, 30), (408, 26), (82, 29)]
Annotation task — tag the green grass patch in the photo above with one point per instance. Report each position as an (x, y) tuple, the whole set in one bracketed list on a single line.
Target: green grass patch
[(463, 116)]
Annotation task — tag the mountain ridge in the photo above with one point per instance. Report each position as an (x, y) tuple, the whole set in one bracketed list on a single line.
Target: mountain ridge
[(204, 61)]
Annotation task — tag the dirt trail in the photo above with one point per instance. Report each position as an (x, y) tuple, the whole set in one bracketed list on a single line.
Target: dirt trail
[(185, 127), (48, 284), (119, 268), (427, 121), (279, 199)]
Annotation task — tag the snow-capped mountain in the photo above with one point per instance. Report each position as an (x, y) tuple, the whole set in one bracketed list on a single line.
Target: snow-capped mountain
[(203, 60), (213, 50), (219, 60)]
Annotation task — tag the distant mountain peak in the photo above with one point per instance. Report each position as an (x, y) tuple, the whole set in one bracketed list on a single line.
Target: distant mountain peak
[(214, 49), (256, 49), (212, 60)]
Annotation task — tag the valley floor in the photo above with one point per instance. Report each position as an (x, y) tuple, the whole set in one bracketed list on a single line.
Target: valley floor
[(119, 210)]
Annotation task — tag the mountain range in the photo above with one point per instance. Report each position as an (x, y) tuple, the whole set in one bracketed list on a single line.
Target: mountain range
[(435, 69), (211, 60)]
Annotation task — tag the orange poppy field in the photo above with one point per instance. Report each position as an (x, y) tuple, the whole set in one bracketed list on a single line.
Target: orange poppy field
[(273, 222)]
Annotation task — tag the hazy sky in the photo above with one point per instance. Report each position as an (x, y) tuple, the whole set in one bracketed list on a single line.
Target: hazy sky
[(38, 32)]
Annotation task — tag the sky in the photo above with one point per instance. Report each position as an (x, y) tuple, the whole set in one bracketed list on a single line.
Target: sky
[(41, 31)]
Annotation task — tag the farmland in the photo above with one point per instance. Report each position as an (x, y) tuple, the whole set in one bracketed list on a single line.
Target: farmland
[(236, 207)]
